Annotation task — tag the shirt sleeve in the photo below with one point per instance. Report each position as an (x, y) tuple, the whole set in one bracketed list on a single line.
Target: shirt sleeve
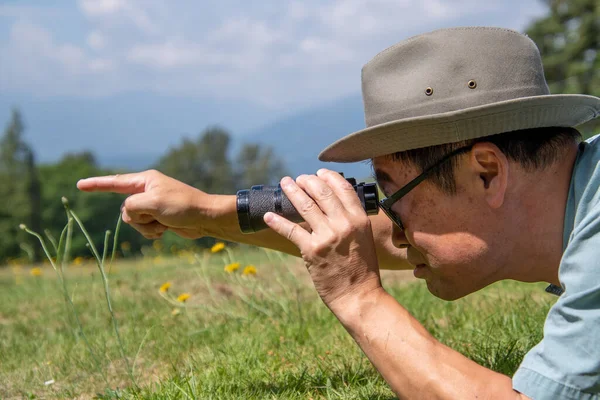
[(566, 363)]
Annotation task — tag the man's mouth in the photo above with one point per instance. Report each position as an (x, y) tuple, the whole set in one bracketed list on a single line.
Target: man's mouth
[(419, 271)]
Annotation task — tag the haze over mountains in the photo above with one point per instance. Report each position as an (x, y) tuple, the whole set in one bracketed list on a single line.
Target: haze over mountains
[(299, 139), (132, 131)]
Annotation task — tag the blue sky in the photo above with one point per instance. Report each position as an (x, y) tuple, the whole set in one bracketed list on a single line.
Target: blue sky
[(259, 59)]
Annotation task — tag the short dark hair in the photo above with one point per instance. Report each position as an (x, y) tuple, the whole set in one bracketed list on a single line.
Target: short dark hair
[(532, 148)]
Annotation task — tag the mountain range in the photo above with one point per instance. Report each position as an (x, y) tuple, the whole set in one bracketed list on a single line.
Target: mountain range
[(299, 139), (132, 131)]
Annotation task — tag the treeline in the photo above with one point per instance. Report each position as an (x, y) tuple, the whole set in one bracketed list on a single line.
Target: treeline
[(30, 193)]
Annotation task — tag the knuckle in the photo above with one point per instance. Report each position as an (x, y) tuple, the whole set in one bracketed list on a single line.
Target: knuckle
[(153, 173), (363, 223), (308, 207), (127, 203), (325, 192), (345, 228), (154, 201), (323, 248), (291, 232), (345, 185)]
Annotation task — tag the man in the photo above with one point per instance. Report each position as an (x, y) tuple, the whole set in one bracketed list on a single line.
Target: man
[(486, 181)]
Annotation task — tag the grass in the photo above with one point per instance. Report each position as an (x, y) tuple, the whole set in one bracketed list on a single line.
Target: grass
[(266, 336)]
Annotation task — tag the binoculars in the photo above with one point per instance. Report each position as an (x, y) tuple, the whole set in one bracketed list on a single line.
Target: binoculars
[(254, 203)]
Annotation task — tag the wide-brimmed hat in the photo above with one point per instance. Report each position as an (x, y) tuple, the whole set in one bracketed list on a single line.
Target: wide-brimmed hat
[(452, 85)]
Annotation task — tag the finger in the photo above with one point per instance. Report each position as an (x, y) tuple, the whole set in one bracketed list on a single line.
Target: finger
[(306, 207), (127, 184), (130, 217), (152, 230), (289, 230), (141, 208), (343, 189), (322, 194)]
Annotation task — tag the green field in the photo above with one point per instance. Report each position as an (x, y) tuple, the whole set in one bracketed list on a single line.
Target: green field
[(263, 336)]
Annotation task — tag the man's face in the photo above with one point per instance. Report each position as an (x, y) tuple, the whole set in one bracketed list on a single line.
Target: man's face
[(448, 237)]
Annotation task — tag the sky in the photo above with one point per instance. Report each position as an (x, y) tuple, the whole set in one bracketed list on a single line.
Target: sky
[(247, 63)]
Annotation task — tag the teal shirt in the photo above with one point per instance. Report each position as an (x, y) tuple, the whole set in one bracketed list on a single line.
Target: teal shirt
[(566, 363)]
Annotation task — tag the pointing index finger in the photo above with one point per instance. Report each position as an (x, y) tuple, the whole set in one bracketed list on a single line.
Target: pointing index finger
[(125, 184)]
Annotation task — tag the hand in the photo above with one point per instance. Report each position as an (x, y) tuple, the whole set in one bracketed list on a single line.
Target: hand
[(338, 250), (157, 203)]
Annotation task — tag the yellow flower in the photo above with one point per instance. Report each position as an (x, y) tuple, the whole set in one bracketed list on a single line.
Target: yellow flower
[(183, 297), (165, 287), (232, 267), (157, 245), (249, 270), (125, 246), (78, 260), (37, 271), (217, 247)]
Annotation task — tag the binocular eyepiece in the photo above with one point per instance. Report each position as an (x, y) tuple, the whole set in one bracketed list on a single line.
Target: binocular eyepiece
[(254, 203)]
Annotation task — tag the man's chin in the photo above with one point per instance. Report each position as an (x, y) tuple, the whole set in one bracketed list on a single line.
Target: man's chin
[(444, 292)]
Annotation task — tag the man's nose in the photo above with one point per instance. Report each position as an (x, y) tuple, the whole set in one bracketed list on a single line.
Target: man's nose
[(398, 237)]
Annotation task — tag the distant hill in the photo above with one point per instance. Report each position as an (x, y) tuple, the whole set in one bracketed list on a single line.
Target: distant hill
[(132, 131), (299, 139), (127, 130)]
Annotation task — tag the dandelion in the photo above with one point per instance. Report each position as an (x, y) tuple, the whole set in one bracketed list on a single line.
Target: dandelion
[(125, 246), (249, 270), (164, 288), (78, 260), (37, 271), (217, 247), (183, 297), (232, 267)]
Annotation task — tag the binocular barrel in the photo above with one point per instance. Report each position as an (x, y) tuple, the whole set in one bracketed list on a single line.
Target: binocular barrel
[(254, 203)]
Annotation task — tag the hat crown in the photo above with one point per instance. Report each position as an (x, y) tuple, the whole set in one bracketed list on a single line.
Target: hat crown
[(450, 70)]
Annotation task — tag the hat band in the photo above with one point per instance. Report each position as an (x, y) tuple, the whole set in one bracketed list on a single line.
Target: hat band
[(397, 110)]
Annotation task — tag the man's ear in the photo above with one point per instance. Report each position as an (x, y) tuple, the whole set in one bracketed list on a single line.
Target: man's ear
[(491, 166)]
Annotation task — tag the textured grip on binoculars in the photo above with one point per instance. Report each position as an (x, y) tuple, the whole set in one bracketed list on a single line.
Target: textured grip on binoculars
[(269, 199), (254, 203)]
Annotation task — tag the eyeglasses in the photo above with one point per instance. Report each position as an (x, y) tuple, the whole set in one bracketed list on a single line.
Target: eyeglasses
[(386, 204)]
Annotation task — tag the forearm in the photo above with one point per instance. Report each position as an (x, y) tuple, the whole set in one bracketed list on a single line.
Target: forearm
[(223, 209), (414, 364)]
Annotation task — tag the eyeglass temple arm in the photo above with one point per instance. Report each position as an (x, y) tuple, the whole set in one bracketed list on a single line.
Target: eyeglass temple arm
[(410, 185)]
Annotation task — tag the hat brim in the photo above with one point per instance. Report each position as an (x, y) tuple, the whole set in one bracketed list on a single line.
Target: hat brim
[(567, 110)]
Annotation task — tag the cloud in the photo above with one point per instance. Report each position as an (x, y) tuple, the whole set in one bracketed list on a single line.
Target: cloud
[(167, 55), (96, 40), (128, 11), (34, 62), (280, 54), (26, 11), (102, 7)]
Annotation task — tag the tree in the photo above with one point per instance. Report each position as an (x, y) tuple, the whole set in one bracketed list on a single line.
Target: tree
[(569, 41), (20, 189), (202, 163), (258, 165)]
